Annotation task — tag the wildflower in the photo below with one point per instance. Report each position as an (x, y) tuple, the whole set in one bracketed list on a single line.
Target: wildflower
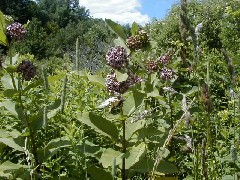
[(165, 59), (117, 57), (27, 69), (138, 41), (16, 30), (116, 87), (166, 74), (152, 66)]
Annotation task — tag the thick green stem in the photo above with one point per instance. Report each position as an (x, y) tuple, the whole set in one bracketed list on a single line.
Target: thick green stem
[(31, 133), (123, 172)]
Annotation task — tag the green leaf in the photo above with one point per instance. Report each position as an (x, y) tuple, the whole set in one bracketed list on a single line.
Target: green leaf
[(10, 106), (3, 37), (7, 82), (120, 42), (135, 154), (11, 143), (121, 76), (129, 105), (33, 85), (96, 173), (10, 92), (131, 128), (11, 68), (52, 147), (116, 28), (37, 121), (55, 78), (134, 29), (132, 102), (97, 79), (99, 124), (7, 166), (145, 165), (89, 149), (107, 157), (53, 108)]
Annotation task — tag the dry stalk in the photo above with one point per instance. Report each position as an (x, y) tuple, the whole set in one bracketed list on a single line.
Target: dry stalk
[(167, 141)]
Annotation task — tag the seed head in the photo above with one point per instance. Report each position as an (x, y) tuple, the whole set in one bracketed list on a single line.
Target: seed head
[(27, 69), (16, 30), (117, 57)]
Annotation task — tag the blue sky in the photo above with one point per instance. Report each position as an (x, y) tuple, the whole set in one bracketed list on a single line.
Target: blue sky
[(156, 8), (127, 11)]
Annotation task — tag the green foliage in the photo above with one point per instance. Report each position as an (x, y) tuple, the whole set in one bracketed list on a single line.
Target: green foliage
[(64, 123)]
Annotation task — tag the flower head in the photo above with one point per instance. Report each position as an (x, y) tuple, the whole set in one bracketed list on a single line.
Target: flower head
[(117, 57), (27, 69), (165, 59), (166, 74), (116, 87), (16, 30), (138, 41), (152, 66)]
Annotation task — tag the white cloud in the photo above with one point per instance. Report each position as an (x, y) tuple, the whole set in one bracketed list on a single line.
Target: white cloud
[(121, 11)]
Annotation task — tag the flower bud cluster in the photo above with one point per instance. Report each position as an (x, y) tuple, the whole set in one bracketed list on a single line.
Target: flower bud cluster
[(138, 41), (117, 57), (27, 69), (165, 59), (152, 66), (16, 30), (166, 74), (114, 86)]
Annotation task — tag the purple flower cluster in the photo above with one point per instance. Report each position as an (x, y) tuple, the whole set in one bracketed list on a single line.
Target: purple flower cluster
[(152, 66), (165, 59), (117, 57), (27, 69), (138, 41), (114, 86), (16, 30), (166, 74)]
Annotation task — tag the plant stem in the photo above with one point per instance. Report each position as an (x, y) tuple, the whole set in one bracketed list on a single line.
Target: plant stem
[(31, 133), (123, 171)]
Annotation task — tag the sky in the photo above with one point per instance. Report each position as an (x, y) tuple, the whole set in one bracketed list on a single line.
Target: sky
[(128, 11)]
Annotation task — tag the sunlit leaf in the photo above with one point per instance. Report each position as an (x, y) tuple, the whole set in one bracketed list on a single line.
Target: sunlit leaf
[(135, 153), (121, 76), (107, 157), (11, 143), (99, 124), (97, 79), (3, 37), (11, 166), (116, 28), (134, 29)]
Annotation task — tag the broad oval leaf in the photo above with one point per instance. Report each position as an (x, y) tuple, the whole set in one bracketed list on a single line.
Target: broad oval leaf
[(99, 124), (107, 157), (121, 76), (97, 80), (7, 166), (135, 155), (11, 143)]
